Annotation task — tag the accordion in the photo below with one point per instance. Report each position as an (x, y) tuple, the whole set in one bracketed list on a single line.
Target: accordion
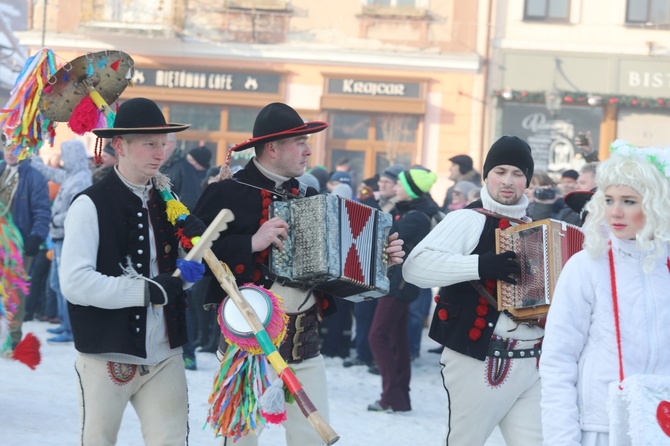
[(542, 248), (334, 245)]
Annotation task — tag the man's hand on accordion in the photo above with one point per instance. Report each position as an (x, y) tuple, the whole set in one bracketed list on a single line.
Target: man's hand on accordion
[(499, 266), (394, 250), (271, 232)]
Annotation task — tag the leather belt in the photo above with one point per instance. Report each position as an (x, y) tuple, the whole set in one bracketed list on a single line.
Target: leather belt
[(497, 349), (302, 337)]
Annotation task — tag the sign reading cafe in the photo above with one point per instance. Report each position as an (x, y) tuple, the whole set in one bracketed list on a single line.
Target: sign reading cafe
[(208, 80), (363, 87)]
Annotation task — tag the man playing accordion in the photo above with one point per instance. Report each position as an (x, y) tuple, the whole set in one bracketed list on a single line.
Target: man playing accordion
[(282, 152), (489, 363)]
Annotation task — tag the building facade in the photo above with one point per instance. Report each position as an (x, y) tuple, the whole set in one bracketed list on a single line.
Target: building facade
[(564, 67), (399, 81)]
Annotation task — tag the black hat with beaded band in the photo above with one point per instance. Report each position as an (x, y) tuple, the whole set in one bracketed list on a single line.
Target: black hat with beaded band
[(511, 151), (278, 121), (139, 116)]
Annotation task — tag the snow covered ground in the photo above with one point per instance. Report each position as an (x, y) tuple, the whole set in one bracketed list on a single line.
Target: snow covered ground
[(39, 407)]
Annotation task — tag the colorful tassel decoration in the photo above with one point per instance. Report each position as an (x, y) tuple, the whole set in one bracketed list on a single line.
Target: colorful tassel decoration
[(13, 278), (175, 210), (115, 65), (85, 116), (234, 410), (190, 271), (20, 118), (28, 351), (273, 403)]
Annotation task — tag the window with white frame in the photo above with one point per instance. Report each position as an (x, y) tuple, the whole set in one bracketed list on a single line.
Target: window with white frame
[(547, 10), (648, 12)]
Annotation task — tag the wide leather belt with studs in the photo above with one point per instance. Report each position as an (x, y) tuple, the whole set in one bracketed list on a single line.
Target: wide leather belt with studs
[(497, 350)]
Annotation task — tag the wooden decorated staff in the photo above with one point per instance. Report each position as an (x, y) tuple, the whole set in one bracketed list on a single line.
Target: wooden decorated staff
[(227, 282)]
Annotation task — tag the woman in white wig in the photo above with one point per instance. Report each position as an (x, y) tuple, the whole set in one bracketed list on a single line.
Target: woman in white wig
[(610, 313)]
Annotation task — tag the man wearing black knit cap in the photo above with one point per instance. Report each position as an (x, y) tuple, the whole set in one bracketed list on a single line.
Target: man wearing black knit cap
[(461, 170), (489, 363)]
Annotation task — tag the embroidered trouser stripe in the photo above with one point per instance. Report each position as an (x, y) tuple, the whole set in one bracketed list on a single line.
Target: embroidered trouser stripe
[(475, 407), (157, 393)]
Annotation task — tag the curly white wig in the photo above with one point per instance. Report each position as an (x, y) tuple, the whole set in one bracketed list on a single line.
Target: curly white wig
[(646, 179)]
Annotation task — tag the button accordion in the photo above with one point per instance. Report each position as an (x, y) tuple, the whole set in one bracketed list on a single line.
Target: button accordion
[(542, 248), (334, 245)]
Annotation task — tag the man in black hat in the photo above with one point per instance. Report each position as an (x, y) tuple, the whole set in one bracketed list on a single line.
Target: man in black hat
[(282, 153), (489, 363), (461, 170), (126, 308)]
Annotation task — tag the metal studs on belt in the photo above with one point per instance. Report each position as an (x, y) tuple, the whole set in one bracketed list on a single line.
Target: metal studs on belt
[(510, 354)]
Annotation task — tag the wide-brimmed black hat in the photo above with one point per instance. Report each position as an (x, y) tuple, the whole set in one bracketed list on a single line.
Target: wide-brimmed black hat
[(576, 200), (278, 121), (139, 116)]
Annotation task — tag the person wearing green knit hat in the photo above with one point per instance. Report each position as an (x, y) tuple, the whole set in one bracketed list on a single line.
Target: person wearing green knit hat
[(388, 338), (417, 182)]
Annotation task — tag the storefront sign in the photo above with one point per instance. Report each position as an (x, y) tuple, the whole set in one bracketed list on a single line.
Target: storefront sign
[(360, 87), (207, 80), (644, 78)]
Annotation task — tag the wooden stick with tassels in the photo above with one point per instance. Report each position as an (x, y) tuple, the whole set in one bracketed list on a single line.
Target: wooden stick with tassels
[(227, 282), (220, 223)]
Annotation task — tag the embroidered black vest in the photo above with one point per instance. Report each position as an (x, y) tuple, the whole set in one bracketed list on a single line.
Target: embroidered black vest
[(123, 226), (458, 321)]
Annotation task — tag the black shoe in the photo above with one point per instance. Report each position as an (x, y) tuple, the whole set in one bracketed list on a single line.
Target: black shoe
[(209, 348), (355, 361), (373, 369), (437, 350), (377, 407)]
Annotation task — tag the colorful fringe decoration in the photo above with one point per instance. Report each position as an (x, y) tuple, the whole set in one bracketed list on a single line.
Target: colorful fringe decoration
[(238, 404), (13, 278), (175, 211), (234, 408), (275, 328), (20, 118)]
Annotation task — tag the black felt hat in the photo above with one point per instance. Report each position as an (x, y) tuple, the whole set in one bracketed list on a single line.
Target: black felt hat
[(513, 151), (139, 116), (202, 155), (576, 200), (278, 121)]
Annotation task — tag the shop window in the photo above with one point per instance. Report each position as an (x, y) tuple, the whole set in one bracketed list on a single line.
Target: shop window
[(547, 10), (397, 128), (349, 126), (648, 12), (201, 117), (241, 119), (147, 16)]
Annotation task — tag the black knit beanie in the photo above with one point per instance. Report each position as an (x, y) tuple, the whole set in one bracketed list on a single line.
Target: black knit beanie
[(513, 151)]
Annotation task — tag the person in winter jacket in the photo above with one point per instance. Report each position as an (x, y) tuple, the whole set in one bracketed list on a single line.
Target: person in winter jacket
[(625, 260), (388, 333), (73, 177), (489, 363)]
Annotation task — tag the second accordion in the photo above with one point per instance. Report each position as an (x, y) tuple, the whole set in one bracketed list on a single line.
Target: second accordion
[(542, 248), (334, 245)]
